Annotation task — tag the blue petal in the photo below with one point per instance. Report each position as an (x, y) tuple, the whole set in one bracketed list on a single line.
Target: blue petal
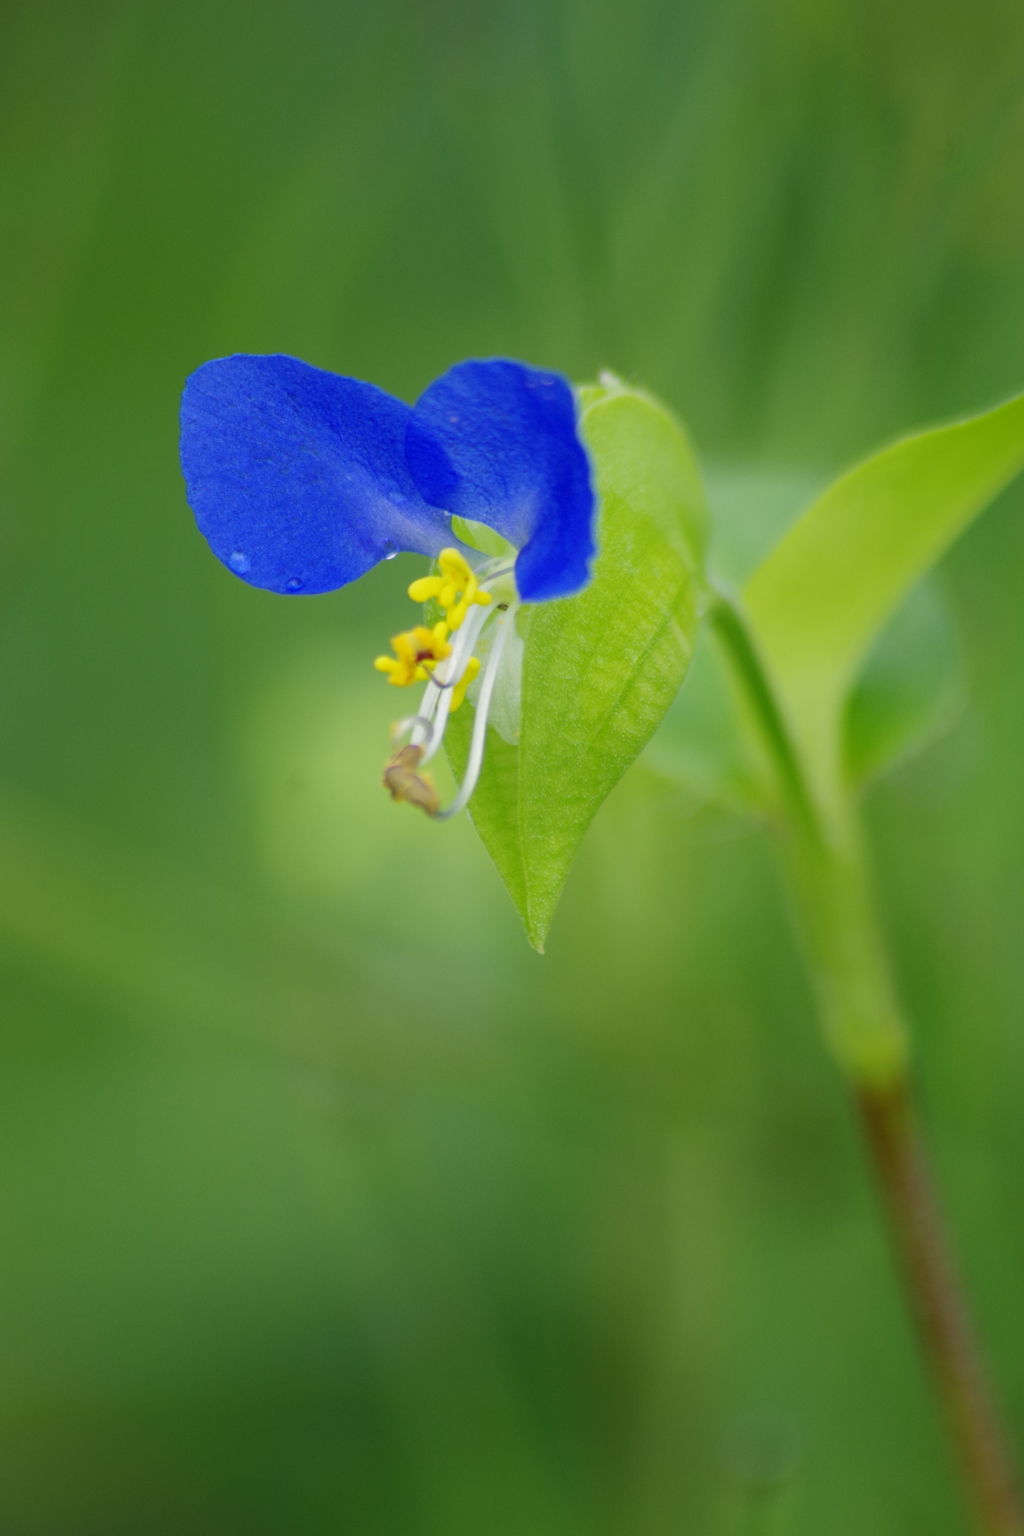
[(497, 441), (297, 477)]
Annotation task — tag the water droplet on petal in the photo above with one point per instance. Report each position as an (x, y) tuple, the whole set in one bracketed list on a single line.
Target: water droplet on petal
[(295, 584), (238, 561), (390, 552)]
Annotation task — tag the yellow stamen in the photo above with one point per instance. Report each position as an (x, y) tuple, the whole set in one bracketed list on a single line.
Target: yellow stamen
[(417, 653), (459, 691), (456, 577)]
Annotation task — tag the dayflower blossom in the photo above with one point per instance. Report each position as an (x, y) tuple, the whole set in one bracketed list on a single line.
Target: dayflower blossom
[(302, 480)]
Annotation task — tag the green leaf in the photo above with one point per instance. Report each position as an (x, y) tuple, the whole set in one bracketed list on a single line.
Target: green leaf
[(494, 808), (825, 592), (910, 690), (600, 669)]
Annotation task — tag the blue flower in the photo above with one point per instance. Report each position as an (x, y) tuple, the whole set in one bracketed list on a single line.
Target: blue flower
[(302, 480)]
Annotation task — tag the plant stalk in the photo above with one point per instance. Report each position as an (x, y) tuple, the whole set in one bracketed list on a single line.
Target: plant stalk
[(940, 1306), (864, 1026), (865, 1030)]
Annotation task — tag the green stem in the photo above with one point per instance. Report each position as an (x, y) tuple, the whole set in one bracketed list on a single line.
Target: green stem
[(864, 1027), (733, 631), (862, 1020)]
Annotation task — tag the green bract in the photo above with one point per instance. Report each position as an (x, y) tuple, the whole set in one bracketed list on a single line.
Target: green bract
[(600, 669), (839, 658)]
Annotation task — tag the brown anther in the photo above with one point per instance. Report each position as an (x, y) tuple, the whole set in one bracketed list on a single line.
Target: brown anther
[(403, 782)]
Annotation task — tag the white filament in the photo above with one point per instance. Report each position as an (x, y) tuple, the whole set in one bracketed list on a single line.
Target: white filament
[(437, 701), (476, 746)]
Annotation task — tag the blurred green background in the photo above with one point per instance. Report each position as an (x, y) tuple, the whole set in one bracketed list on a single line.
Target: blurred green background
[(325, 1204)]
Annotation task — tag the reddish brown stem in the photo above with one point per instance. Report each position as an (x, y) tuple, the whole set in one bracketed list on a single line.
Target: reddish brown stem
[(937, 1299)]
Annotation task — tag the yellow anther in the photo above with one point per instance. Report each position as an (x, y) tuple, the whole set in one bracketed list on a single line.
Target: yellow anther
[(456, 577), (417, 653), (459, 691)]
